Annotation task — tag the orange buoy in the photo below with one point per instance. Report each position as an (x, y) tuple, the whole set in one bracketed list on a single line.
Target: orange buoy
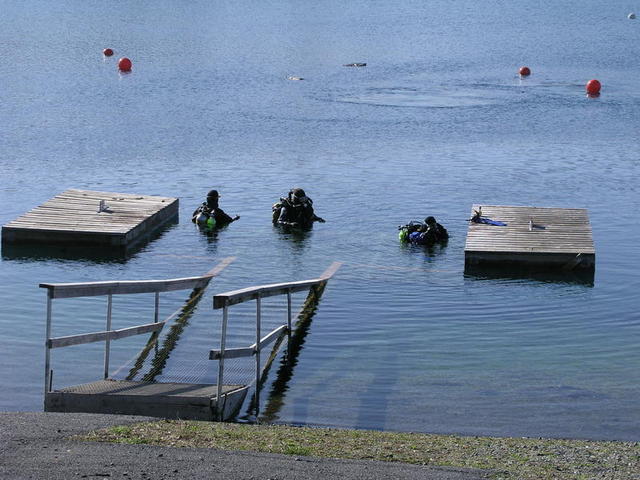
[(107, 52), (124, 64), (593, 87), (525, 71)]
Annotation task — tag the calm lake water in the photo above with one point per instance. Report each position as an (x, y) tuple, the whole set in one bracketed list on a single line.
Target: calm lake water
[(437, 121)]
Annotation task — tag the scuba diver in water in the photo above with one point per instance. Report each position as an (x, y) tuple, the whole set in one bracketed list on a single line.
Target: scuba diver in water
[(210, 215), (428, 233), (296, 210)]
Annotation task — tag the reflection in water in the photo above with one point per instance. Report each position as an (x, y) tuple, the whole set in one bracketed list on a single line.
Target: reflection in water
[(486, 272), (297, 237), (431, 252), (211, 234), (161, 355), (277, 394), (94, 254)]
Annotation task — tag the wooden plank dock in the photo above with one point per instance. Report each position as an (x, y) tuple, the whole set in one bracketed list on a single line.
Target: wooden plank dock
[(90, 218), (537, 237)]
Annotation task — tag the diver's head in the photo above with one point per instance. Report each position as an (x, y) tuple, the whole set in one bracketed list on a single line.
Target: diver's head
[(212, 199), (297, 196), (430, 221)]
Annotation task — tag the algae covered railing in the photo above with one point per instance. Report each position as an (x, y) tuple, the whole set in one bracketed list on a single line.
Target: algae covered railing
[(111, 288), (225, 300)]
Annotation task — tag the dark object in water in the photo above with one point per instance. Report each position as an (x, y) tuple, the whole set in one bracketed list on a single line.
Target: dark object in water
[(296, 210), (428, 233), (355, 64)]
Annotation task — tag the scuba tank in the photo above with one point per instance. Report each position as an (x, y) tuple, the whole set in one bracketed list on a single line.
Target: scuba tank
[(202, 218), (205, 220), (406, 230)]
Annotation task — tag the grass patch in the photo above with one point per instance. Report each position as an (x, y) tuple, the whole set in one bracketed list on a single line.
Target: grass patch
[(508, 458)]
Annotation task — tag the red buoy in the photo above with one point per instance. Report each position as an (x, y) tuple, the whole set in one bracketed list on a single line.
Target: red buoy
[(525, 71), (124, 64), (593, 87), (107, 52)]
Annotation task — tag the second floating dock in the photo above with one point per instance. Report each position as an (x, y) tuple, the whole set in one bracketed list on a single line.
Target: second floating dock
[(536, 237)]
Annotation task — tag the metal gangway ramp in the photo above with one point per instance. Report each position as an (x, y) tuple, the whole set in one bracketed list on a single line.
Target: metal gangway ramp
[(196, 401), (225, 300)]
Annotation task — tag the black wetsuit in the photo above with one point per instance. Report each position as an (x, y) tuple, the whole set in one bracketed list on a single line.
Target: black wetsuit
[(286, 212), (429, 234)]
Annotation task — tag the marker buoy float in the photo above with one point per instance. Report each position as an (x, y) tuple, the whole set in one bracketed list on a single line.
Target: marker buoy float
[(107, 52), (525, 71), (124, 64), (593, 87)]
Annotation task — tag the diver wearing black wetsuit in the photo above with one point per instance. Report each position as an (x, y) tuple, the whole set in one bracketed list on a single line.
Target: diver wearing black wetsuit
[(296, 210), (428, 233), (210, 214)]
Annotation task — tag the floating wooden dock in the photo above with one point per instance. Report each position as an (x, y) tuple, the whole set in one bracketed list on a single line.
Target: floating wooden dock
[(536, 237), (89, 218)]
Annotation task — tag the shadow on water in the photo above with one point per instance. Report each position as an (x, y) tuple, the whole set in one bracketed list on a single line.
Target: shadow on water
[(583, 277), (94, 253), (374, 399), (297, 237), (430, 251), (211, 234), (276, 397), (162, 354)]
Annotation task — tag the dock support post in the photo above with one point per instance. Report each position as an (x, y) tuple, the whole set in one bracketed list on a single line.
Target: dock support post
[(107, 342), (288, 318), (258, 314), (156, 314), (47, 349), (223, 337)]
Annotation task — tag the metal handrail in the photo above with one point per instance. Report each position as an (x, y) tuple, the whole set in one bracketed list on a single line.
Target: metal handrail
[(234, 297), (72, 290)]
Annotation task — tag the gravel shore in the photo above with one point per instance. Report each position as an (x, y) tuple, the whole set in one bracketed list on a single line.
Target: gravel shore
[(48, 446)]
